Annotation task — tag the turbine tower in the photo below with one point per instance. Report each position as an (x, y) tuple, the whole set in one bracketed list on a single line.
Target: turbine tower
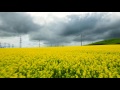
[(20, 42), (81, 39)]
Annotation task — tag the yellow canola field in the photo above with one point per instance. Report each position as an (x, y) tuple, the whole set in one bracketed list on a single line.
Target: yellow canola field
[(61, 62)]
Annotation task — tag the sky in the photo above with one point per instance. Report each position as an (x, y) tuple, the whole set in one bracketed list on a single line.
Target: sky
[(57, 28)]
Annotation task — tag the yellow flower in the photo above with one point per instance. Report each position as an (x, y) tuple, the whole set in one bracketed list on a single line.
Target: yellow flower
[(71, 61)]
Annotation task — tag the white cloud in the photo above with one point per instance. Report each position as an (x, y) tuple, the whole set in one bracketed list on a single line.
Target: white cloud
[(46, 17)]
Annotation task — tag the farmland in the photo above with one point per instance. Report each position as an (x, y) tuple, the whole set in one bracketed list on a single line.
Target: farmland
[(101, 61)]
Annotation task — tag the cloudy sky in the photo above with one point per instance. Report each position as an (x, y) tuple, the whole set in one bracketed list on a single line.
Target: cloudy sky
[(58, 28)]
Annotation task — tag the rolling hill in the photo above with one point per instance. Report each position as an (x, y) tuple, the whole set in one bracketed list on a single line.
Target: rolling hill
[(107, 42)]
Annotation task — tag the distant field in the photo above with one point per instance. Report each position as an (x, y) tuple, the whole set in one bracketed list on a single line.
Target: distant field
[(107, 42), (101, 61)]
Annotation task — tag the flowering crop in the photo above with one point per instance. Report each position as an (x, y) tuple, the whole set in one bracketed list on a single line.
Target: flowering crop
[(61, 62)]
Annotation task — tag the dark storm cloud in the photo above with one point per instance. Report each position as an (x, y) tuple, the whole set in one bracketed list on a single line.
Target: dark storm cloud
[(50, 33), (97, 26), (93, 27), (13, 23), (78, 24)]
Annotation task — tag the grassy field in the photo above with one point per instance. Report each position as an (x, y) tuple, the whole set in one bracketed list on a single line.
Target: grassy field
[(101, 61), (107, 42)]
